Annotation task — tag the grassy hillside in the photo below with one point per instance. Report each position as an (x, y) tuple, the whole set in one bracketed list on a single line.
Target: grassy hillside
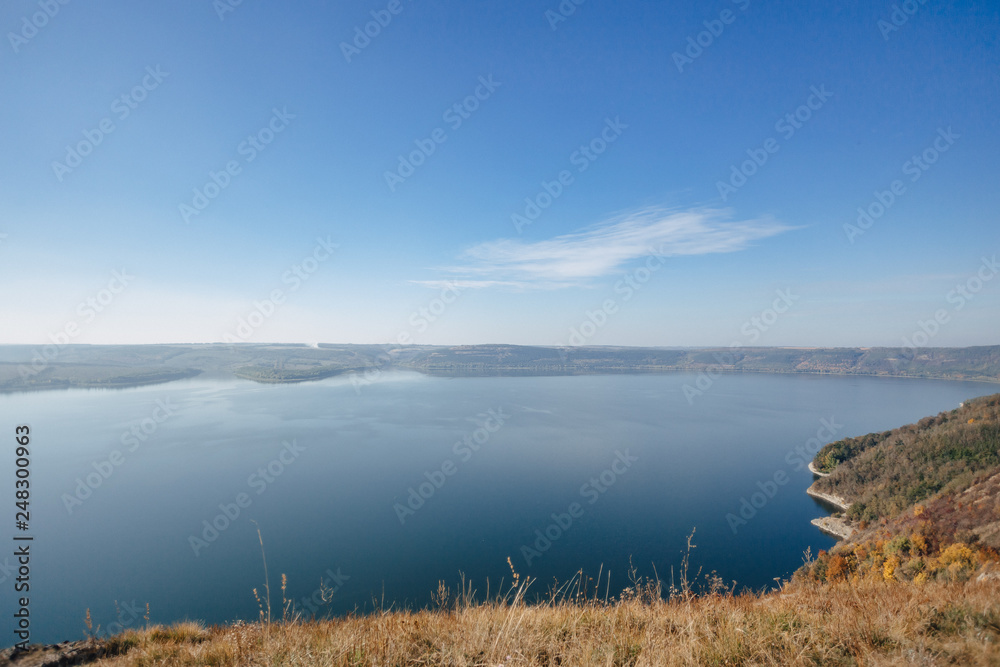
[(285, 374), (925, 499), (68, 376), (867, 623), (882, 474)]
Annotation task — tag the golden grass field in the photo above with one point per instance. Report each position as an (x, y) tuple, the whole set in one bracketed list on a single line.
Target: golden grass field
[(864, 622)]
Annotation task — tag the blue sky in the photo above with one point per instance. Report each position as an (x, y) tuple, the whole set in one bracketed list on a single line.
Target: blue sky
[(434, 256)]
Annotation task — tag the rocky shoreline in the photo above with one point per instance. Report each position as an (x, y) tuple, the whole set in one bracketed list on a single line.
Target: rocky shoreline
[(55, 655), (834, 525), (837, 526), (840, 503)]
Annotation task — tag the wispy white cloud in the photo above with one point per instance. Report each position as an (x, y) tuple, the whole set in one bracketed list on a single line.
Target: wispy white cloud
[(605, 248), (470, 284)]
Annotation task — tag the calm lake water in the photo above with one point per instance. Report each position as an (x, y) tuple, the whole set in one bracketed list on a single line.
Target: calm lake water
[(386, 489)]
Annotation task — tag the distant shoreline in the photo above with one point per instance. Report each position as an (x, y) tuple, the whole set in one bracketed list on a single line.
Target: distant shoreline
[(509, 372), (127, 384), (527, 372), (85, 366), (122, 382)]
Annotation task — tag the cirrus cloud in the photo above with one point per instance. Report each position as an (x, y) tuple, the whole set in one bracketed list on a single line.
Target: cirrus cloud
[(572, 260)]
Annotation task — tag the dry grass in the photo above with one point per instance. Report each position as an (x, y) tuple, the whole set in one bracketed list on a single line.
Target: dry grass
[(867, 622)]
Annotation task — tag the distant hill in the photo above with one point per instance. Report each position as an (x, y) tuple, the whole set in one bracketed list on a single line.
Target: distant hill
[(973, 363), (69, 376), (45, 367)]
